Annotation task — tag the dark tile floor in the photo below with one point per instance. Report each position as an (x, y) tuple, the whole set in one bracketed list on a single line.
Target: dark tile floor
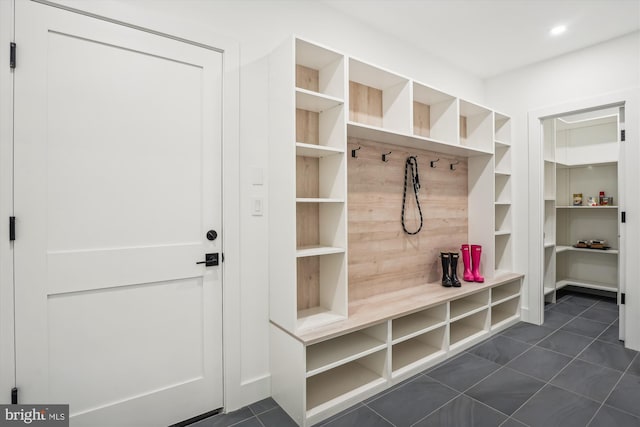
[(571, 371)]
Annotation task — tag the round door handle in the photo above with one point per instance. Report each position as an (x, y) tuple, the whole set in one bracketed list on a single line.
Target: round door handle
[(212, 234)]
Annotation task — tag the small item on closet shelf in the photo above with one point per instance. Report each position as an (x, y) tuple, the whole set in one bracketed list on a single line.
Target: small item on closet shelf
[(592, 201), (577, 199), (606, 201), (592, 244), (601, 198), (597, 244)]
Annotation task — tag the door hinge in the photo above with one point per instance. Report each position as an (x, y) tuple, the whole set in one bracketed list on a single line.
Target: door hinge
[(12, 228), (623, 135), (14, 396), (623, 298), (624, 217), (222, 256), (12, 55)]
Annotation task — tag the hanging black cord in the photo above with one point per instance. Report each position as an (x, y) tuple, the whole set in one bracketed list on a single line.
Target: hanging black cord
[(411, 163)]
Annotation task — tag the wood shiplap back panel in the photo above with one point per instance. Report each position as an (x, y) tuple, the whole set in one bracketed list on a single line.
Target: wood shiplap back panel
[(421, 119), (307, 177), (307, 78), (365, 104), (307, 127), (382, 258), (308, 284), (463, 130)]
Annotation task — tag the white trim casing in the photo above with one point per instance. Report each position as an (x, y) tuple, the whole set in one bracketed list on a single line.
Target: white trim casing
[(7, 349), (630, 203)]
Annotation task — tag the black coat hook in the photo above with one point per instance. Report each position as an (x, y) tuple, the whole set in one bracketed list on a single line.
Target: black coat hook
[(451, 165), (384, 157), (354, 154), (433, 163)]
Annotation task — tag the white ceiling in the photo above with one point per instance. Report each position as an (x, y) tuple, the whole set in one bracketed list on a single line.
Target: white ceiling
[(490, 37)]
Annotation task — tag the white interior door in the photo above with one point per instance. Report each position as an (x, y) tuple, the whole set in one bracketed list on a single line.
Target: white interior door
[(117, 181)]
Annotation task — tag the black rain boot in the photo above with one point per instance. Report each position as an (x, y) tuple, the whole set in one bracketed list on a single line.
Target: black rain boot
[(446, 280), (453, 256)]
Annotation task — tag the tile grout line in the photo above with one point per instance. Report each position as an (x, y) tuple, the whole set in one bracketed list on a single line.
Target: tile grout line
[(558, 373), (611, 392)]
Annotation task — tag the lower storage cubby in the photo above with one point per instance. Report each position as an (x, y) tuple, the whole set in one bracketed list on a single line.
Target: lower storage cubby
[(413, 324), (468, 305), (329, 354), (505, 292), (464, 330), (413, 352), (505, 312), (346, 381)]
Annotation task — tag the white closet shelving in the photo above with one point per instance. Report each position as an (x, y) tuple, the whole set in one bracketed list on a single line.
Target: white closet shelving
[(580, 158), (328, 353)]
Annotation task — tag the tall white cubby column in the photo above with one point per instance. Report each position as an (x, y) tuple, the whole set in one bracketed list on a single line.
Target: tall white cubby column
[(308, 266)]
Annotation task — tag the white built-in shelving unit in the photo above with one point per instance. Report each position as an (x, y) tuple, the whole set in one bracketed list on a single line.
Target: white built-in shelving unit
[(580, 157), (328, 352)]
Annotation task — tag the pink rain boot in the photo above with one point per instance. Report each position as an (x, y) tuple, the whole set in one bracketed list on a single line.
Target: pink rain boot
[(466, 260), (476, 251)]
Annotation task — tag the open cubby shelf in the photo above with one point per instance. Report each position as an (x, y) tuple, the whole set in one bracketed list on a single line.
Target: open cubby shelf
[(343, 381), (418, 349), (348, 317), (338, 351), (414, 324)]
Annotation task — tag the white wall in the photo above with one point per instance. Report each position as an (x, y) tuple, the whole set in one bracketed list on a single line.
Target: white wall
[(257, 27), (607, 67)]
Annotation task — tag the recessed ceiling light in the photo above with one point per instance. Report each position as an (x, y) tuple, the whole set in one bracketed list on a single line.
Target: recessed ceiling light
[(556, 31)]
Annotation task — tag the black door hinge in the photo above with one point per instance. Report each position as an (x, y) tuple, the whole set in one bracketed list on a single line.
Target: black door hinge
[(12, 55), (12, 228), (623, 135), (14, 396), (624, 217), (623, 298)]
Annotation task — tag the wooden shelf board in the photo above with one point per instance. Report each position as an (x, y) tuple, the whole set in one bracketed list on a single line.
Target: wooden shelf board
[(314, 101), (410, 353), (316, 317), (381, 307), (502, 143), (586, 284), (460, 334), (560, 249), (338, 351), (502, 202), (318, 200), (587, 207), (583, 165), (340, 383), (502, 232), (548, 290), (373, 133), (549, 245), (503, 173), (313, 150), (407, 327), (461, 309), (305, 251)]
